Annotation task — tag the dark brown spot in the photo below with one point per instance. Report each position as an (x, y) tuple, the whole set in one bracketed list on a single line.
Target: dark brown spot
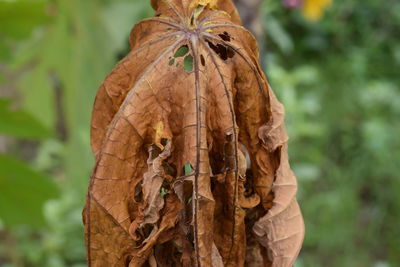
[(225, 36), (231, 53), (203, 61), (159, 14), (192, 20), (222, 51), (147, 229)]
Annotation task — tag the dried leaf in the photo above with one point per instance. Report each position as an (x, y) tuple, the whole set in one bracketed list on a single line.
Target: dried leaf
[(282, 229), (192, 77), (153, 200)]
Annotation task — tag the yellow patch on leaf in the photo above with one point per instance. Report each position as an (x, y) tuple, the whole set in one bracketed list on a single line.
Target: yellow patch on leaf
[(211, 4), (159, 134)]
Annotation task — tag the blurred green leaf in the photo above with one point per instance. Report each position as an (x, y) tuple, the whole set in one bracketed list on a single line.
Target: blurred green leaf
[(19, 17), (2, 78), (119, 18), (39, 94), (4, 51), (23, 192), (278, 34), (20, 124)]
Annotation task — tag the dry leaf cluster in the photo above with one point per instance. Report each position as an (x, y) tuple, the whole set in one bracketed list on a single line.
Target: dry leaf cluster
[(191, 150)]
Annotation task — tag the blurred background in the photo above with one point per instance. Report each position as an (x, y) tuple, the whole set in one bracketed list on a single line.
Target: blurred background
[(334, 64)]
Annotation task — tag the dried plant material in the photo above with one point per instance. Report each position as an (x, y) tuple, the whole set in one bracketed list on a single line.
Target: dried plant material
[(281, 230), (153, 197), (172, 126)]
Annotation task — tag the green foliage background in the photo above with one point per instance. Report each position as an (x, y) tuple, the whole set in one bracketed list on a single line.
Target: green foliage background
[(339, 79)]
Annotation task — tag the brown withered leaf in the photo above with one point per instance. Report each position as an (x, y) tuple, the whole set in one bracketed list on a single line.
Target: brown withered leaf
[(191, 150)]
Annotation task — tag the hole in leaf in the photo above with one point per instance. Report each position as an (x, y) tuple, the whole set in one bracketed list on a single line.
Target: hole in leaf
[(163, 191), (159, 14), (188, 63), (181, 51), (165, 141), (225, 36), (171, 62), (169, 29), (222, 51), (202, 60), (187, 169), (147, 229)]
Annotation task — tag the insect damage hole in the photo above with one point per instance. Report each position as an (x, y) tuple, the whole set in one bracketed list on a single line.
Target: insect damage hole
[(224, 52), (183, 50), (171, 61), (187, 169), (188, 63)]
